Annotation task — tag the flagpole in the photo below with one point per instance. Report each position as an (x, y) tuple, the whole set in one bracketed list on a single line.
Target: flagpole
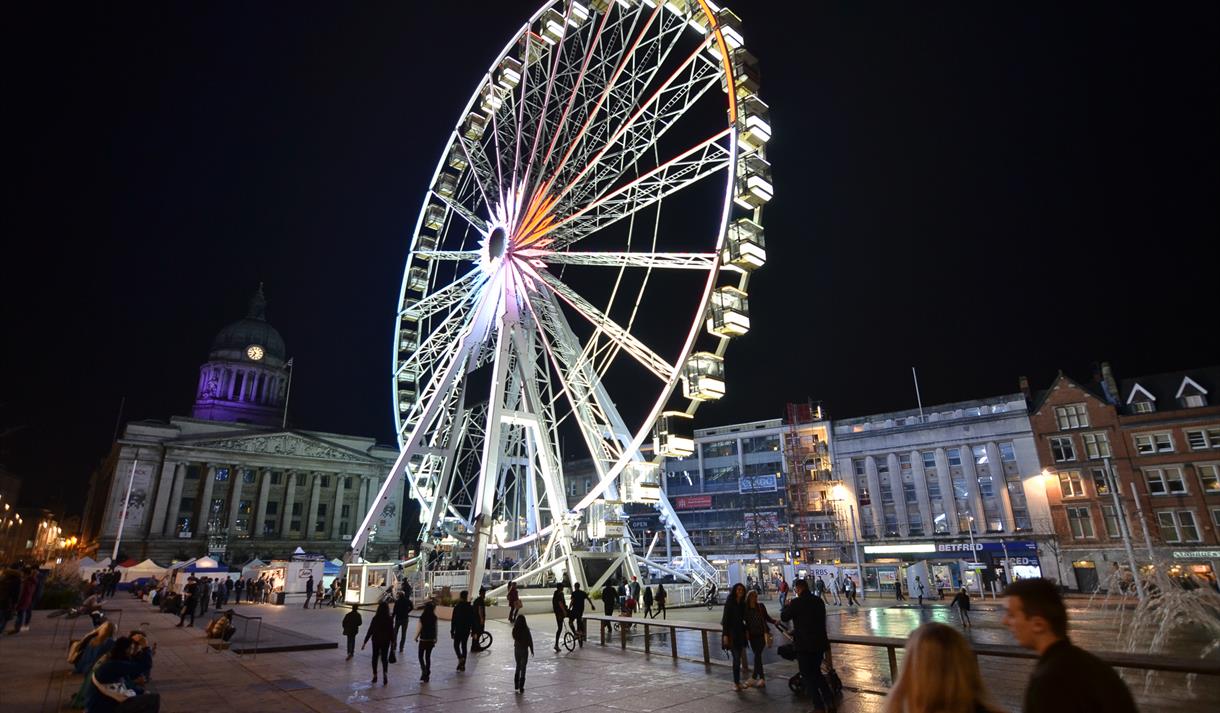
[(918, 400), (123, 515), (287, 394)]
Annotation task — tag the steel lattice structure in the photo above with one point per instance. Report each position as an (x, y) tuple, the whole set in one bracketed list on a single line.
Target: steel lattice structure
[(593, 119)]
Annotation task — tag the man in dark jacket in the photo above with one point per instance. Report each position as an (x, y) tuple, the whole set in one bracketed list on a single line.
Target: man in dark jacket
[(578, 612), (560, 610), (308, 590), (402, 618), (808, 616), (480, 618), (460, 627), (351, 626), (609, 599), (1066, 677)]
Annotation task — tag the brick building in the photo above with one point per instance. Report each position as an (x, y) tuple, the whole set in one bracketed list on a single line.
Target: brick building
[(1159, 436)]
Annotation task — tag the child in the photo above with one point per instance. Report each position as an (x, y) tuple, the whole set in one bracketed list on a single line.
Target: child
[(523, 648)]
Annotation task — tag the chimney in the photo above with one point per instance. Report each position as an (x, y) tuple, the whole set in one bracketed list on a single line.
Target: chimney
[(1108, 385), (1023, 382)]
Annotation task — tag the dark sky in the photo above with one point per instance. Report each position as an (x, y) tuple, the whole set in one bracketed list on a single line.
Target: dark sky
[(980, 190)]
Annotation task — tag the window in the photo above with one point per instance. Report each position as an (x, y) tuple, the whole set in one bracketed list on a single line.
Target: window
[(297, 509), (244, 507), (1216, 517), (572, 488), (1080, 522), (760, 444), (1147, 444), (295, 526), (1062, 449), (954, 455), (1096, 445), (980, 458), (321, 509), (345, 511), (1165, 481), (1203, 439), (1194, 401), (186, 505), (717, 449), (276, 477), (347, 482), (222, 474), (1071, 484), (1101, 484), (247, 476), (1109, 517), (1072, 416), (929, 460), (269, 527), (904, 462), (325, 482), (273, 508), (1007, 453), (858, 466), (300, 480), (1143, 407), (1177, 526), (192, 472), (1209, 478), (883, 465)]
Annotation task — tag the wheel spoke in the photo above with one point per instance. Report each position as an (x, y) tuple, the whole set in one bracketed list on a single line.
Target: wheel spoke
[(467, 214), (448, 254), (673, 261)]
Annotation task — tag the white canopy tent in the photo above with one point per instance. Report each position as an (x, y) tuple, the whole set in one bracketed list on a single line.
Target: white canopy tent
[(252, 568), (143, 570)]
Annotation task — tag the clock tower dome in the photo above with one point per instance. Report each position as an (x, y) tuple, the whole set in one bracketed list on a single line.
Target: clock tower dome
[(246, 376)]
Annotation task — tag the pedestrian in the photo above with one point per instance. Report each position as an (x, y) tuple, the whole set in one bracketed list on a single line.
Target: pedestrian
[(1066, 677), (961, 602), (514, 602), (351, 626), (940, 674), (898, 590), (919, 589), (634, 590), (808, 616), (609, 599), (758, 628), (318, 596), (648, 603), (309, 592), (479, 621), (560, 610), (426, 636), (402, 619), (381, 631), (460, 626), (239, 588), (523, 648), (10, 594), (849, 588), (577, 611), (783, 593), (833, 586), (820, 589), (661, 597), (25, 601), (733, 634), (189, 594)]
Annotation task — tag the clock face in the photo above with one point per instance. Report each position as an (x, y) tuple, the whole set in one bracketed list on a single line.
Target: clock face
[(255, 352)]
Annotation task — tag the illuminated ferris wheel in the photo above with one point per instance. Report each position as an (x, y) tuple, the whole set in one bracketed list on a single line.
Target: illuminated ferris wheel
[(586, 243)]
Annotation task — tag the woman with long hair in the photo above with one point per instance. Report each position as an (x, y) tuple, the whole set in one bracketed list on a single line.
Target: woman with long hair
[(523, 648), (514, 601), (939, 675), (758, 629), (92, 647), (381, 631), (733, 635), (426, 636)]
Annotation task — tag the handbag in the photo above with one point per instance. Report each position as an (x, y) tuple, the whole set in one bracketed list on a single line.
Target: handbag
[(770, 640), (725, 642)]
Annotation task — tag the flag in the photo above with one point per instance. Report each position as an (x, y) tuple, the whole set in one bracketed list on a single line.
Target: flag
[(288, 364)]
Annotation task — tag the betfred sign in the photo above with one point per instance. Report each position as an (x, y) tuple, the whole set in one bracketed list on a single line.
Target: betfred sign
[(693, 502)]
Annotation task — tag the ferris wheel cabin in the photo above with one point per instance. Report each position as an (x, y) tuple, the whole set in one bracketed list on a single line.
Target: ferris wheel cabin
[(745, 246), (703, 377), (674, 435), (729, 314)]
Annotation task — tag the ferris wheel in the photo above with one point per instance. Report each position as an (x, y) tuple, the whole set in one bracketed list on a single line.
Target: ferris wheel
[(585, 246)]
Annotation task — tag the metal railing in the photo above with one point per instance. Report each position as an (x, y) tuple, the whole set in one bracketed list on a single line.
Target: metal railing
[(224, 644)]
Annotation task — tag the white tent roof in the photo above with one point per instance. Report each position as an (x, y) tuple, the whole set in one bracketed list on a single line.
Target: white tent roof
[(147, 568)]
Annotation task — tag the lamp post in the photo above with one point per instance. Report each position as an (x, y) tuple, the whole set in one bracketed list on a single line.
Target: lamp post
[(974, 558), (841, 493)]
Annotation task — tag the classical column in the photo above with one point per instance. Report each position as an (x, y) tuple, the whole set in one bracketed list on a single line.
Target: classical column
[(972, 485), (290, 493), (236, 475), (1000, 484), (315, 494), (900, 496), (175, 498), (948, 496), (260, 514), (362, 498), (874, 495), (205, 503), (335, 522), (231, 378), (374, 486), (921, 493), (165, 485)]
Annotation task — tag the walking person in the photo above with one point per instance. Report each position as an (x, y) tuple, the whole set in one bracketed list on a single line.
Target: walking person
[(514, 602), (189, 601), (808, 616), (351, 626), (523, 648), (308, 590), (661, 597), (25, 601), (479, 621), (898, 590), (919, 589), (849, 589), (560, 610), (758, 629), (426, 636), (577, 612), (239, 588), (402, 619), (834, 586), (733, 635), (460, 626), (381, 631), (819, 587), (648, 603), (961, 603), (783, 593), (1066, 677), (609, 599), (940, 674)]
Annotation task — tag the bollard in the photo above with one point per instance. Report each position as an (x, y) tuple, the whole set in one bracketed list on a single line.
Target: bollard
[(893, 663), (647, 641), (622, 630), (673, 641), (707, 655)]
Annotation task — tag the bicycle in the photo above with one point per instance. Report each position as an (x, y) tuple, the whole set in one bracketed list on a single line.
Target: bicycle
[(571, 635), (710, 600), (482, 641)]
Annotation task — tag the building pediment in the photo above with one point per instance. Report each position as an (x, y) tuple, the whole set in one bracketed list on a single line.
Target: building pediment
[(285, 443)]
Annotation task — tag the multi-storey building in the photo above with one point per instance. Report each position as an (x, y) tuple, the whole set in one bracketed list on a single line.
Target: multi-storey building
[(957, 488), (1136, 462)]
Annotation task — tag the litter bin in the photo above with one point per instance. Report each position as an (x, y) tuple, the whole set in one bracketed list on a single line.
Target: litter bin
[(279, 598)]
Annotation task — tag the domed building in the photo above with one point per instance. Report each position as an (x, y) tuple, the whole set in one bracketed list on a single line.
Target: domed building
[(231, 480)]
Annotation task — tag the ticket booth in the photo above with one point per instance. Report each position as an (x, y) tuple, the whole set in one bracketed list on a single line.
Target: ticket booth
[(367, 581)]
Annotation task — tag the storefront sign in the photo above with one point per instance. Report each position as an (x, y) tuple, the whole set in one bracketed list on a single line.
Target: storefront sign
[(1196, 554), (757, 484), (919, 547), (1012, 548), (693, 502)]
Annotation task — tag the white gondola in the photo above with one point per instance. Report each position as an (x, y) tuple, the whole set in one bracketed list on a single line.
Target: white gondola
[(730, 28), (729, 314), (577, 13), (674, 435), (703, 377), (642, 482), (550, 26), (753, 123), (491, 99), (434, 217), (408, 339), (677, 7), (745, 246), (532, 47), (605, 520), (417, 278), (745, 74), (446, 184), (409, 311), (406, 396), (426, 241), (604, 5), (508, 75), (474, 126), (753, 189), (457, 159)]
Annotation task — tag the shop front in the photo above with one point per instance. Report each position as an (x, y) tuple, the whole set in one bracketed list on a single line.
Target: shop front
[(1202, 564), (977, 566)]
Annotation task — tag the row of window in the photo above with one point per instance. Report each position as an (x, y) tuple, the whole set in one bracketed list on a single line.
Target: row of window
[(1097, 444), (1077, 416), (250, 476), (1164, 480), (1174, 525), (953, 455), (219, 516)]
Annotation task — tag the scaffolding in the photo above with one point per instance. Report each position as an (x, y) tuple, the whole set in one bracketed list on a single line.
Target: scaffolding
[(817, 518)]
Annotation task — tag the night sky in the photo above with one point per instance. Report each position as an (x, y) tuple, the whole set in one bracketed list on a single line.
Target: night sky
[(979, 190)]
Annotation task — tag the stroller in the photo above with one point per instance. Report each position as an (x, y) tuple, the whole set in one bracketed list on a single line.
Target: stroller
[(796, 682)]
